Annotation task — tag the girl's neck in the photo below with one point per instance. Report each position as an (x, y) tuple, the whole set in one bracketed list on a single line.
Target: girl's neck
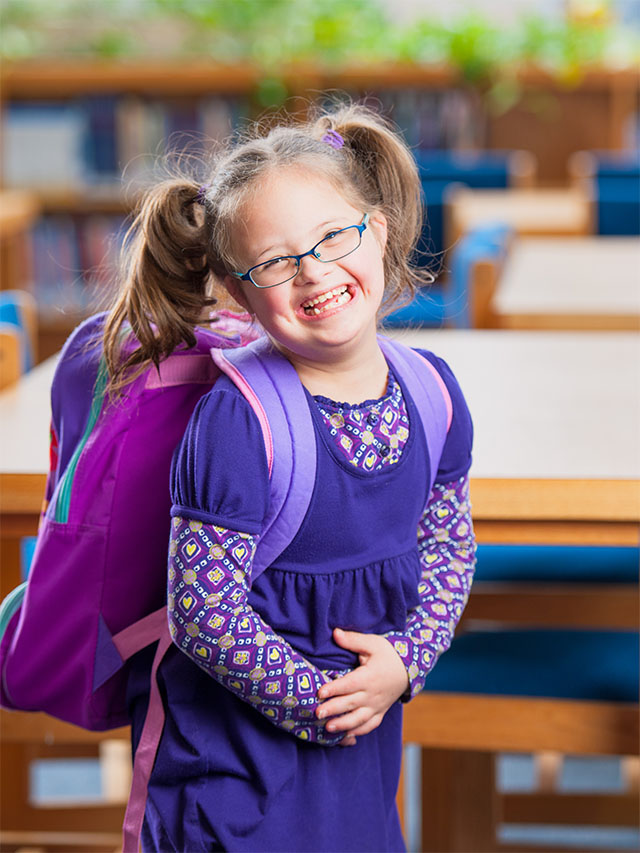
[(361, 376)]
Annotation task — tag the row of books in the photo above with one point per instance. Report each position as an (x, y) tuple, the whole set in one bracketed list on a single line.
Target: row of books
[(439, 119), (102, 139), (99, 140), (74, 263), (432, 119)]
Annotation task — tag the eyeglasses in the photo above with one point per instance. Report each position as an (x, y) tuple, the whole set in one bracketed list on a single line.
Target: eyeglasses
[(336, 245)]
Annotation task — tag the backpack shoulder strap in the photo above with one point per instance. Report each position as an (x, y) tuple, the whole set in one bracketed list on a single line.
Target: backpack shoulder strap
[(272, 387), (428, 391)]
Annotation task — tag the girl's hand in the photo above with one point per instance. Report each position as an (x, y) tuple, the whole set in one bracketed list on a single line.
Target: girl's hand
[(358, 701)]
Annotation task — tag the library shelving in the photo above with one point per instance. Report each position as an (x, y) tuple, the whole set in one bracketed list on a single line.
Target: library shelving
[(101, 118)]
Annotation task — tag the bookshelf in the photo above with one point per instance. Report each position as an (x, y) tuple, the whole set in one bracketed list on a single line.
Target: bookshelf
[(551, 120)]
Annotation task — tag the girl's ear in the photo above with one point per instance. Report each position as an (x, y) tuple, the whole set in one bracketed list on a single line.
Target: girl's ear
[(236, 291), (378, 223)]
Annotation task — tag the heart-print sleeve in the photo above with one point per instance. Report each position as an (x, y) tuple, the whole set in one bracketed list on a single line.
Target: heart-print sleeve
[(212, 623), (447, 557)]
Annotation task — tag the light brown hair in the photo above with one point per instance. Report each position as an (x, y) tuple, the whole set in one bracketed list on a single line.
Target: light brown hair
[(180, 244)]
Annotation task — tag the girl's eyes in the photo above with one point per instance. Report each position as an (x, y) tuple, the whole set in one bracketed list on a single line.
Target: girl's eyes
[(274, 262)]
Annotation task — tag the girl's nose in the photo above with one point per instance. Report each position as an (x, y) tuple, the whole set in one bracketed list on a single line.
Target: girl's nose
[(310, 270)]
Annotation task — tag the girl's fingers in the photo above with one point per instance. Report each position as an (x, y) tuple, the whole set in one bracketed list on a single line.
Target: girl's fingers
[(369, 726), (349, 722), (340, 705), (341, 686), (354, 641), (348, 740)]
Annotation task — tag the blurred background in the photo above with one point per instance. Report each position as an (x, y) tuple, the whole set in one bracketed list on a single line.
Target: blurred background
[(489, 94), (524, 119)]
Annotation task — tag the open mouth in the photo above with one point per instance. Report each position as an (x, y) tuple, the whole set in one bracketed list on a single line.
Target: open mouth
[(325, 301)]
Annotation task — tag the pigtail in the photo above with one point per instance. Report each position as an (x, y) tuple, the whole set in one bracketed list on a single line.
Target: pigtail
[(385, 172), (165, 282)]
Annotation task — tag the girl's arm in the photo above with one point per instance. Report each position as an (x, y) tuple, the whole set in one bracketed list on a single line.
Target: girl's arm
[(212, 623), (447, 556)]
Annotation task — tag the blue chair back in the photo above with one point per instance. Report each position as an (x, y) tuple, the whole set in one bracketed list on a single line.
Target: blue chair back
[(557, 564), (14, 308), (436, 306), (439, 169), (484, 242), (617, 194)]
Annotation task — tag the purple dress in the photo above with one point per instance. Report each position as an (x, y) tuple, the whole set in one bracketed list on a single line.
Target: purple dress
[(225, 777)]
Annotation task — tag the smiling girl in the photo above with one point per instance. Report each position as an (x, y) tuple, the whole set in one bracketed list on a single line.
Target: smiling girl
[(311, 229)]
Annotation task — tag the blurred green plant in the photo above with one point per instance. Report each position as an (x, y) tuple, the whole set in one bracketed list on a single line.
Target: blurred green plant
[(274, 34)]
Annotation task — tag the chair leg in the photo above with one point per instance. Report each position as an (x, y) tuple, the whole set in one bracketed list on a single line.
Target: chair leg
[(548, 770), (460, 805), (400, 796)]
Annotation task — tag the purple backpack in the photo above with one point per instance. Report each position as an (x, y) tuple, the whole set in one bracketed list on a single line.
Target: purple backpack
[(96, 592)]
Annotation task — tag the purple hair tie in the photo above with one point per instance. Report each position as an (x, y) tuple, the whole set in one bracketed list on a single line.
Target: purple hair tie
[(333, 138), (201, 197)]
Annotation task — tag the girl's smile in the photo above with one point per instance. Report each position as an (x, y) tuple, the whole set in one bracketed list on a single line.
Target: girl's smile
[(326, 302)]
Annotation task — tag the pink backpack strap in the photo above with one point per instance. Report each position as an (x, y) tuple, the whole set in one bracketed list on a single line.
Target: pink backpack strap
[(272, 387), (181, 369), (154, 627)]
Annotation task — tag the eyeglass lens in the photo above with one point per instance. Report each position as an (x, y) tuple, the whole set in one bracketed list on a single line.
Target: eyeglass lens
[(332, 248)]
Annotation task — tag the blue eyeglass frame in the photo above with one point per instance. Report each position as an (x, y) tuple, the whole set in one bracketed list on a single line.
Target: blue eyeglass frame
[(297, 258)]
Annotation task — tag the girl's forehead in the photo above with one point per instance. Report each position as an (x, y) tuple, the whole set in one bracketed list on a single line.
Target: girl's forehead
[(291, 205), (299, 185)]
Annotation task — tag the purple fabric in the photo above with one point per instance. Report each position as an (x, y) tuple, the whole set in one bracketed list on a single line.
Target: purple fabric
[(211, 621), (98, 570), (72, 387), (354, 563)]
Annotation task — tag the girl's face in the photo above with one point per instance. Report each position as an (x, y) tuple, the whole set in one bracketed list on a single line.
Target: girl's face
[(288, 215)]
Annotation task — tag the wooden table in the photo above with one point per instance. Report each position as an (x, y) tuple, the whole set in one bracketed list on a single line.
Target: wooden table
[(569, 283), (557, 434), (534, 211)]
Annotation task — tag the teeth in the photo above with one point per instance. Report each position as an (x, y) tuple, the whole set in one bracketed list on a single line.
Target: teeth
[(340, 300), (337, 291)]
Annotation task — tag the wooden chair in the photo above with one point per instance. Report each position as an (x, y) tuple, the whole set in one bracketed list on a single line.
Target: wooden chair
[(10, 363), (528, 211), (462, 722), (86, 827)]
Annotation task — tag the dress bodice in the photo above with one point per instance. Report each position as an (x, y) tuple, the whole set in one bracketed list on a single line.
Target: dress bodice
[(354, 563)]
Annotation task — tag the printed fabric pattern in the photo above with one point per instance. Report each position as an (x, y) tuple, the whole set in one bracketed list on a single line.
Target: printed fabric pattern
[(371, 435), (211, 621), (447, 557)]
